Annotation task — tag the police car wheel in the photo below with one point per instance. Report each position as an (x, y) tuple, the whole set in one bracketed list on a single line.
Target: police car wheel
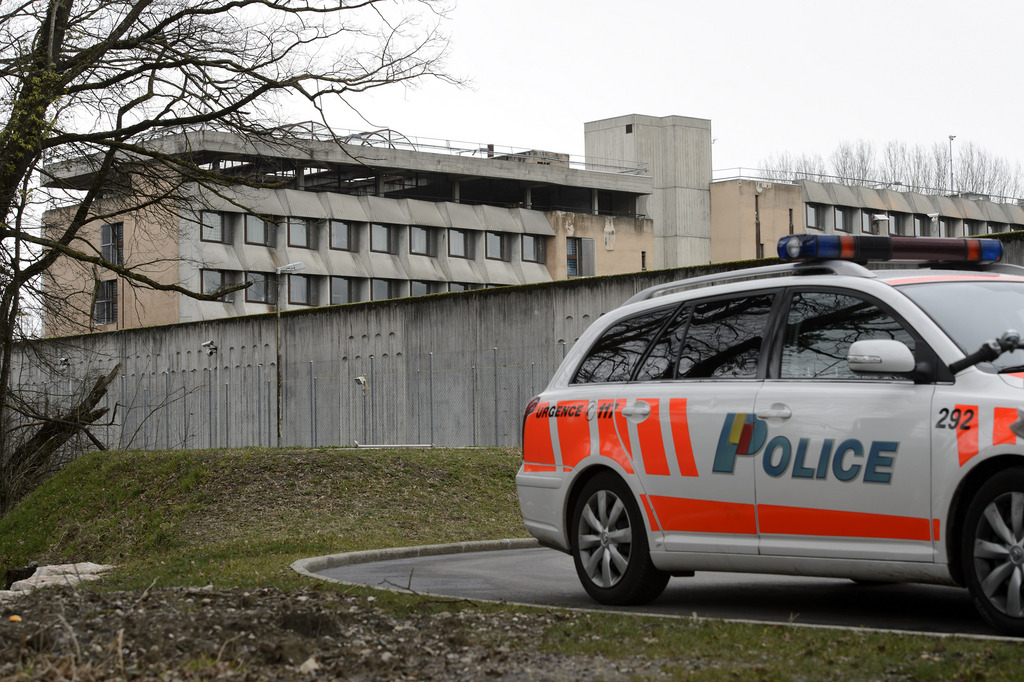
[(992, 551), (609, 545)]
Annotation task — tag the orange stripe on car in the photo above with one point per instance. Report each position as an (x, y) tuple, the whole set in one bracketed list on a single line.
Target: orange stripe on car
[(704, 516), (967, 439), (614, 438), (1001, 433), (779, 520), (537, 439), (573, 431), (652, 518), (652, 446), (681, 437)]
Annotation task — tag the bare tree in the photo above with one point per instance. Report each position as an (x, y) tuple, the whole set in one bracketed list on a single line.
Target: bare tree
[(102, 85), (853, 162), (913, 168), (894, 170), (786, 167)]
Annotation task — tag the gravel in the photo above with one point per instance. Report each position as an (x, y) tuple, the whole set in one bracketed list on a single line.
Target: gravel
[(270, 634)]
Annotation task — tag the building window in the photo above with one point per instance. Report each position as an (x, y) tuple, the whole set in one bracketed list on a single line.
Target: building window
[(947, 227), (261, 288), (533, 248), (259, 231), (814, 216), (579, 257), (898, 224), (382, 238), (422, 241), (105, 310), (112, 243), (496, 246), (459, 244), (301, 233), (867, 224), (996, 228), (215, 280), (381, 289), (343, 290), (302, 289), (922, 226), (844, 219), (974, 227), (343, 236), (420, 288), (211, 227), (461, 286)]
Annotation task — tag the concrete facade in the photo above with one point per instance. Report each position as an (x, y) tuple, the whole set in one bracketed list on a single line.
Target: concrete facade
[(453, 219), (677, 152), (805, 206)]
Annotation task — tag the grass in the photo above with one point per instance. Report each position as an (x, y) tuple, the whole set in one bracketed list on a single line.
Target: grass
[(239, 518)]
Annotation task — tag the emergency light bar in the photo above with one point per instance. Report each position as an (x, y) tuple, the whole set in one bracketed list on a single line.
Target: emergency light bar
[(799, 247)]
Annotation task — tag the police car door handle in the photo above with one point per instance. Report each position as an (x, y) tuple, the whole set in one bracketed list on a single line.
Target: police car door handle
[(638, 410), (776, 411)]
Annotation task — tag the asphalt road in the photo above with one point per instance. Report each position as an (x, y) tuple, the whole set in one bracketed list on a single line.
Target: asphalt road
[(547, 577)]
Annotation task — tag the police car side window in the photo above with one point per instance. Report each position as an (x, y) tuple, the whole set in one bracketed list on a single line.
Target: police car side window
[(820, 328), (660, 360), (616, 353), (724, 338)]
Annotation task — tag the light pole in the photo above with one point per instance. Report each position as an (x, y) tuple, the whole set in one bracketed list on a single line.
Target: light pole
[(291, 267), (951, 190)]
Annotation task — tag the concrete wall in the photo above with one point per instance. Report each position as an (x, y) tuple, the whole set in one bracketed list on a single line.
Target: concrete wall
[(452, 369), (449, 369)]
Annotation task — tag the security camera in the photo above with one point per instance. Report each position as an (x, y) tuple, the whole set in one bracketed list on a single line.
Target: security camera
[(879, 218), (933, 216), (210, 347), (361, 381), (206, 344)]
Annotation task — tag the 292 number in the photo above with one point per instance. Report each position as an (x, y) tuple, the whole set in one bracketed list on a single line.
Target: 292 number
[(955, 419)]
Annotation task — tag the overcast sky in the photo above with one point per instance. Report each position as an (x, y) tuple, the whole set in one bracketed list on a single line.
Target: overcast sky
[(789, 75)]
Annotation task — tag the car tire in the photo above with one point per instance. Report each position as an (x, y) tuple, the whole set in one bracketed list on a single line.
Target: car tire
[(609, 544), (992, 551)]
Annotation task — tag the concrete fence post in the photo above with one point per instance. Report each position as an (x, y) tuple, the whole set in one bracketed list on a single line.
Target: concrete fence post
[(431, 397), (496, 396)]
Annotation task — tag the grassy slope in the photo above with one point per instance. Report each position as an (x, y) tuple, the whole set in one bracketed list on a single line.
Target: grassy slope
[(239, 518)]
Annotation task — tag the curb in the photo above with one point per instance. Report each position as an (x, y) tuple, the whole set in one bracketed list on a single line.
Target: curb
[(311, 566)]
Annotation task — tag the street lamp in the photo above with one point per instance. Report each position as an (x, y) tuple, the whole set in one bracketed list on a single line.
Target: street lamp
[(951, 190), (291, 267)]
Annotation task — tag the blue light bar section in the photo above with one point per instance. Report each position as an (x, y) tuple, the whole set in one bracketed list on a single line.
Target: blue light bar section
[(991, 250), (810, 247)]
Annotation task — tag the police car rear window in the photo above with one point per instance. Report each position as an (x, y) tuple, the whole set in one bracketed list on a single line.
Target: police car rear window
[(720, 338), (616, 353)]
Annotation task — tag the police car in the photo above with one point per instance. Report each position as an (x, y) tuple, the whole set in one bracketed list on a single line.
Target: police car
[(811, 418)]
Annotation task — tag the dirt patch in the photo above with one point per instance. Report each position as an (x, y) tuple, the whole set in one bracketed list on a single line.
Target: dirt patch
[(189, 633)]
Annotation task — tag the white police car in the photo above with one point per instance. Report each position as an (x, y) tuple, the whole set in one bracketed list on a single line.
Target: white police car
[(812, 418)]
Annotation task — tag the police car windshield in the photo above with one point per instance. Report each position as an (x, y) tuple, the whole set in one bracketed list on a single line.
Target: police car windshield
[(972, 312)]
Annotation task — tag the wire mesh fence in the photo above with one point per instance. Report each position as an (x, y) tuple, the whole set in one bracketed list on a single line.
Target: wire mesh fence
[(436, 398)]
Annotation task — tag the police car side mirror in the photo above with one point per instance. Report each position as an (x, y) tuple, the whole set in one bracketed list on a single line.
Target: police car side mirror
[(880, 356)]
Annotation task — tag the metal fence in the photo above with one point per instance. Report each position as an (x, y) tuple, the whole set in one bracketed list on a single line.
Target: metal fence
[(437, 398)]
